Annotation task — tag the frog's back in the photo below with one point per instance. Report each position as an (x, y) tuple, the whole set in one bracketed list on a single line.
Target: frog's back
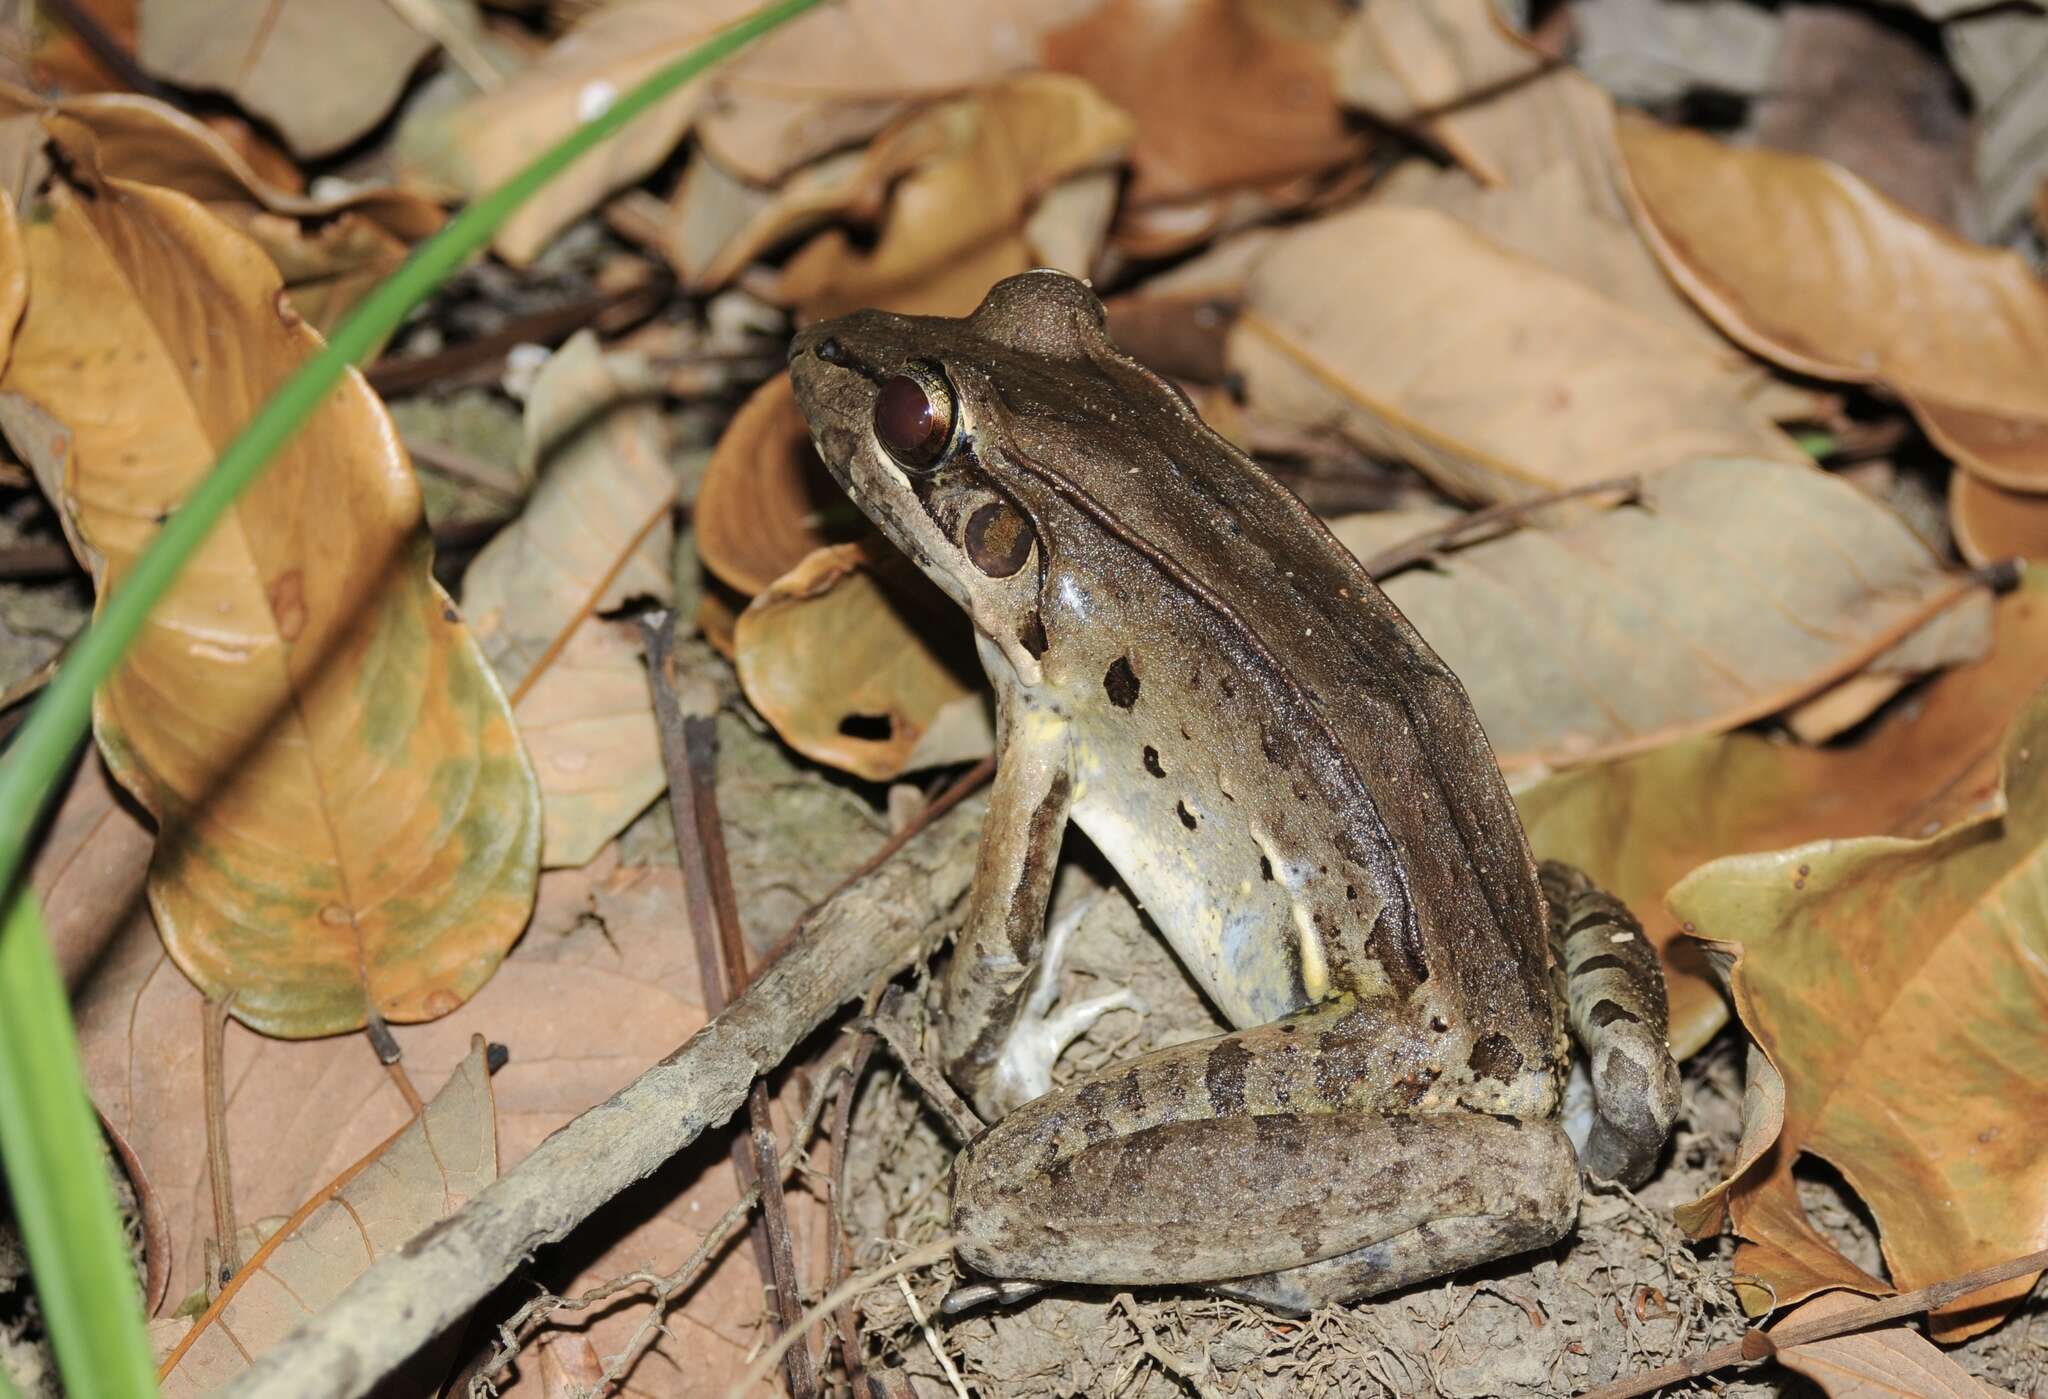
[(1331, 768)]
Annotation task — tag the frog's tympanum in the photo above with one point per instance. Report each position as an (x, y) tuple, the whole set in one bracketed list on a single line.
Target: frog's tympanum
[(1187, 665)]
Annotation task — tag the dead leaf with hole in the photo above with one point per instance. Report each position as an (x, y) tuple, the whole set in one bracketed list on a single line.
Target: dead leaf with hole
[(322, 74), (1992, 524), (595, 534), (1224, 95), (1735, 589), (1806, 265), (330, 251), (959, 184), (758, 122), (1890, 1362), (429, 1169), (767, 500), (1641, 824), (1495, 376), (348, 824), (1897, 987), (858, 661)]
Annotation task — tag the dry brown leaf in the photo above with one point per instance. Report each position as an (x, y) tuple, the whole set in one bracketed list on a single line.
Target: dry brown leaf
[(61, 62), (1641, 824), (1806, 265), (1992, 523), (90, 866), (1734, 590), (961, 180), (766, 500), (1224, 94), (349, 823), (424, 1173), (1892, 1362), (859, 662), (1492, 374), (1896, 987), (1450, 68), (595, 534), (758, 122), (330, 251), (322, 74), (13, 279)]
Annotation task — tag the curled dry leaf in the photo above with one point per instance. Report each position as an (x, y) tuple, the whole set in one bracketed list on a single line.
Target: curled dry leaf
[(1992, 523), (859, 662), (1641, 824), (1618, 631), (1495, 376), (330, 251), (961, 180), (1806, 265), (425, 1172), (595, 534), (348, 822), (1891, 1362), (757, 119), (322, 74), (767, 500), (1224, 94), (1896, 986)]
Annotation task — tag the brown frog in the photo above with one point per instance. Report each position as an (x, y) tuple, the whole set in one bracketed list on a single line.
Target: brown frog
[(1189, 667)]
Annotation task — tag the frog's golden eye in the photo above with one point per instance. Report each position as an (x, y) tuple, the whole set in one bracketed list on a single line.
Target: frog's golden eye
[(914, 416)]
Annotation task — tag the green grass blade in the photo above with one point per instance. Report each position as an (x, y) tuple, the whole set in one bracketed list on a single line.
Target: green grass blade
[(57, 1174), (49, 1139)]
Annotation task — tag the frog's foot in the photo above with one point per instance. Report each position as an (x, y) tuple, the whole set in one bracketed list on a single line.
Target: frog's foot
[(1614, 988), (1040, 1034)]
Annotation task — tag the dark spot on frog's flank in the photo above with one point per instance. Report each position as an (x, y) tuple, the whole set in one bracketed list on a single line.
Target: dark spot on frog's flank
[(1152, 761), (1439, 1024), (1130, 1092), (1281, 1134), (1223, 1075), (1351, 892), (1093, 1102), (1409, 1092), (998, 539), (1274, 745), (1495, 1057), (1596, 919), (1120, 683), (1607, 1012), (1226, 686), (1605, 962), (1187, 818), (1266, 867), (1508, 1118), (1031, 636)]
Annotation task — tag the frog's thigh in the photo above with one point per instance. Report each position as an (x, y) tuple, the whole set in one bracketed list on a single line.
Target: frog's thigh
[(1388, 1199)]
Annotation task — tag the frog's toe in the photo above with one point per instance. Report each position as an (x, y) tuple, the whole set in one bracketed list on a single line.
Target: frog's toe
[(1036, 1042)]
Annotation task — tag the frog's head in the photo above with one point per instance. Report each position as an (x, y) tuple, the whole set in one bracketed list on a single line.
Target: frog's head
[(908, 413)]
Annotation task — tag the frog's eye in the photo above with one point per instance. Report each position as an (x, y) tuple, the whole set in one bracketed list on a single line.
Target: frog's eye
[(914, 416)]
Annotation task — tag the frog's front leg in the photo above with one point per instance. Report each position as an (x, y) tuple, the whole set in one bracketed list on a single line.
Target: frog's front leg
[(1292, 1164), (1001, 1035)]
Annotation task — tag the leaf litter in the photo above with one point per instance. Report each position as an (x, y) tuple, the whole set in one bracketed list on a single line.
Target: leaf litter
[(1404, 252)]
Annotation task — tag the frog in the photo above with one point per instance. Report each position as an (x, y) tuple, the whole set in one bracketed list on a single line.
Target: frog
[(1296, 790)]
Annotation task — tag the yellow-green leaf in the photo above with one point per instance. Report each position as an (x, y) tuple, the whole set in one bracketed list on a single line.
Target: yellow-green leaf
[(1898, 987), (348, 823)]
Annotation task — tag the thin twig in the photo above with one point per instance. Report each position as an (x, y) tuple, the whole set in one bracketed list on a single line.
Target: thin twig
[(213, 1057), (468, 469), (963, 786), (931, 1337), (406, 373), (686, 711), (845, 1292), (1433, 543), (1759, 1344), (842, 1130)]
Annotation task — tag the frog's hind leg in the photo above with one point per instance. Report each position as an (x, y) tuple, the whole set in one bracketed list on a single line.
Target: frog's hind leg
[(1253, 1154), (1614, 988)]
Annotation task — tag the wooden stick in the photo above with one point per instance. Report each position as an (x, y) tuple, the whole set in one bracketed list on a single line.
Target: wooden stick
[(1759, 1344)]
